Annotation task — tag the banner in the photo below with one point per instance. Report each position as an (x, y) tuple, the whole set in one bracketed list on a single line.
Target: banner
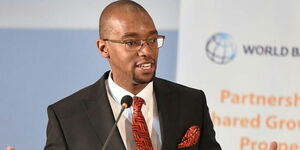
[(245, 55)]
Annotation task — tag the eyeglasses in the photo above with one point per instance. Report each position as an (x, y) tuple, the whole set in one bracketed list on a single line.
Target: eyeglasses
[(137, 44)]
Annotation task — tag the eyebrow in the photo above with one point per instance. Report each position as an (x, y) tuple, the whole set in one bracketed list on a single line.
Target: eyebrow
[(134, 34)]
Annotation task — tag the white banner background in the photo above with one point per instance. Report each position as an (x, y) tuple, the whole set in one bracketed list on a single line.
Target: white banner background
[(255, 97)]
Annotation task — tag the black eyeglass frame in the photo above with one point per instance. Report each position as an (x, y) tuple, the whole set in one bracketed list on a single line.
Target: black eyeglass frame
[(126, 41)]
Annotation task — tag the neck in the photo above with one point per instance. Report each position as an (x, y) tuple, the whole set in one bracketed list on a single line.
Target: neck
[(136, 88), (129, 86), (132, 88)]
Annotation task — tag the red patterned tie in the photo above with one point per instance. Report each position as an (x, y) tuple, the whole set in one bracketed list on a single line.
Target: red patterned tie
[(139, 126)]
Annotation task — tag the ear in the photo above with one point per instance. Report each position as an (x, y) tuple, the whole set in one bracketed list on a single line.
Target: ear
[(102, 48)]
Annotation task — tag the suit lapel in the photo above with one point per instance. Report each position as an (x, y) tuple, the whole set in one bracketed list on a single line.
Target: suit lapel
[(168, 115), (101, 116)]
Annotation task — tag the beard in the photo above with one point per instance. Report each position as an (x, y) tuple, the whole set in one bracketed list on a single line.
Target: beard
[(143, 80)]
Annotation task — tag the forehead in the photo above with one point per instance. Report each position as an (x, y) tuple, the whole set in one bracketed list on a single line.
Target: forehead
[(131, 24)]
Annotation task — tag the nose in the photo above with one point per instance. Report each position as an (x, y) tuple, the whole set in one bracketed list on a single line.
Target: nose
[(145, 49)]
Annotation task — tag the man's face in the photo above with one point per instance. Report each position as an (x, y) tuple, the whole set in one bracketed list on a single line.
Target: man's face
[(131, 66)]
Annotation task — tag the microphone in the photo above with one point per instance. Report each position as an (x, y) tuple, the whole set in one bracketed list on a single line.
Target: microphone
[(126, 102)]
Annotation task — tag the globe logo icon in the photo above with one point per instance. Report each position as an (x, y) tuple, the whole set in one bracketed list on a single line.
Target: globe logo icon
[(220, 48)]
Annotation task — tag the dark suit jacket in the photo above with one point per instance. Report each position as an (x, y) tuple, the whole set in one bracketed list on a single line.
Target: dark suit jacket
[(83, 120)]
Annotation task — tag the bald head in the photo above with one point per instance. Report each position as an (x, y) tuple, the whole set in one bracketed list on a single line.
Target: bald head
[(121, 6)]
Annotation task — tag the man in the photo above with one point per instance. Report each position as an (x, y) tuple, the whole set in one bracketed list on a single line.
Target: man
[(130, 42), (173, 116)]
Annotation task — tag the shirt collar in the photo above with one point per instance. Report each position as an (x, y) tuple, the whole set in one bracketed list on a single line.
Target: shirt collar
[(118, 92)]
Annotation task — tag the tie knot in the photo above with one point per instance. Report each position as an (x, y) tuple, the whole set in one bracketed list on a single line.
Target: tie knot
[(137, 103)]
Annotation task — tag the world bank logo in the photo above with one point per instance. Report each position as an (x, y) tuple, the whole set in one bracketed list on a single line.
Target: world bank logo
[(220, 48)]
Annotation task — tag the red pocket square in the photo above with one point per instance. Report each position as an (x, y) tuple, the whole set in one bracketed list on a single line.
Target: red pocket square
[(190, 138)]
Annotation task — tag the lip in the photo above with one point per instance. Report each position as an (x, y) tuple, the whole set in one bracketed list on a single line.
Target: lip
[(144, 62), (145, 67)]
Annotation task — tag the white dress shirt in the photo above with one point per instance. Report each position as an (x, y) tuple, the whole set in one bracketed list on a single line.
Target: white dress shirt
[(149, 110)]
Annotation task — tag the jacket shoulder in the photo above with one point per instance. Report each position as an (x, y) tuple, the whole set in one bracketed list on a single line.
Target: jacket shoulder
[(75, 97), (175, 87), (89, 92), (72, 103)]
